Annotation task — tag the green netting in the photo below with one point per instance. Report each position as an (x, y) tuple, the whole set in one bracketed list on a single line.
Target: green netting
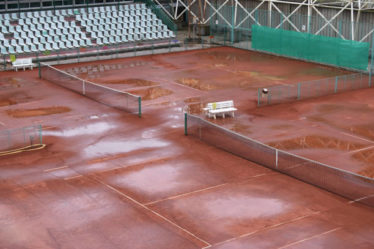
[(328, 50)]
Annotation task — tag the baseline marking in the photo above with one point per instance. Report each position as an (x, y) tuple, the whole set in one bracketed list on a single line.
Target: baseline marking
[(153, 212), (54, 169), (367, 140), (266, 228), (309, 238), (208, 188)]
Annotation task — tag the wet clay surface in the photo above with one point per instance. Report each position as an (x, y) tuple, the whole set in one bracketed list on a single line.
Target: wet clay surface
[(108, 179)]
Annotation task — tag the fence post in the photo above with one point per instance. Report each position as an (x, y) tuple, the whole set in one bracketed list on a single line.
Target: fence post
[(40, 71), (269, 97), (298, 90), (336, 84), (232, 26), (41, 134), (185, 124), (140, 106)]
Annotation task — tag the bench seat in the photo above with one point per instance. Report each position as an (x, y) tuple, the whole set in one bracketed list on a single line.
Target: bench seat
[(23, 63), (223, 108)]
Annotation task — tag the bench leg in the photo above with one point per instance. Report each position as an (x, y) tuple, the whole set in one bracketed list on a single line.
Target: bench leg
[(223, 115), (214, 116), (233, 114)]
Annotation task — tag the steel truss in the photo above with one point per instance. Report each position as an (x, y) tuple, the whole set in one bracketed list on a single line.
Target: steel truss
[(199, 10)]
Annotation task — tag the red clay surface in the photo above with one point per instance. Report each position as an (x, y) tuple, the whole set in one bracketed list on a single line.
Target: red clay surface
[(108, 179)]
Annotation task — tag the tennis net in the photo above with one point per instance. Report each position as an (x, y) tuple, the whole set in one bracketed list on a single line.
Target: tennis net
[(105, 95), (347, 184)]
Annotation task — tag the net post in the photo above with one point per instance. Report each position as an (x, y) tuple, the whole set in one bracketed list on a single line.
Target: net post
[(185, 124), (84, 87), (336, 84), (298, 90), (39, 70), (140, 106), (258, 96), (276, 158)]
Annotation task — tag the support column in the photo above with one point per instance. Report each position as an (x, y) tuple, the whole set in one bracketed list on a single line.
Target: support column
[(352, 22), (308, 28), (270, 5)]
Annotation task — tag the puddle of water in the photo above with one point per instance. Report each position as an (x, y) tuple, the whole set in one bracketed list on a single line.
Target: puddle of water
[(152, 179), (244, 207), (114, 147), (22, 113), (88, 129)]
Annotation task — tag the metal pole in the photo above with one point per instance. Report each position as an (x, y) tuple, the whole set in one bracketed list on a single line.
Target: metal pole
[(140, 106), (185, 124), (309, 16), (352, 22)]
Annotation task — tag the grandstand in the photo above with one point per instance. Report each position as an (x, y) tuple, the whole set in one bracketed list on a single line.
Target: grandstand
[(45, 31)]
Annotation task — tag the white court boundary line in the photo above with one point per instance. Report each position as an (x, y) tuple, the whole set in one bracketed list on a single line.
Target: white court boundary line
[(265, 228), (351, 135), (362, 149), (207, 188), (54, 169), (309, 238), (153, 212)]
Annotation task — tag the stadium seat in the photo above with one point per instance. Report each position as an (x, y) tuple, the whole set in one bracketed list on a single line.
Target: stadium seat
[(48, 30)]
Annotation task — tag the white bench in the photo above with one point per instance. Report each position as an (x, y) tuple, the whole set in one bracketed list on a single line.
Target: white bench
[(224, 107), (23, 63)]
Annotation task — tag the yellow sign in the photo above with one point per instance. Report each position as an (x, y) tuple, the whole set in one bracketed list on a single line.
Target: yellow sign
[(214, 105), (12, 58)]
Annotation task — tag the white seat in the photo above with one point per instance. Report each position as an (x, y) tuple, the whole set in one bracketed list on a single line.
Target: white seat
[(23, 63), (223, 107)]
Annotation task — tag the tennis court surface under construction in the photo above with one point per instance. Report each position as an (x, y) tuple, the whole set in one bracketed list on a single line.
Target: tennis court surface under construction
[(118, 154)]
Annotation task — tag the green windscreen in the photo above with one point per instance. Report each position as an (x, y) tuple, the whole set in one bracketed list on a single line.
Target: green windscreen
[(328, 50)]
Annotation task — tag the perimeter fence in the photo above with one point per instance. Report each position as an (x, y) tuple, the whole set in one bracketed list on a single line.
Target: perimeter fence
[(310, 89), (21, 137)]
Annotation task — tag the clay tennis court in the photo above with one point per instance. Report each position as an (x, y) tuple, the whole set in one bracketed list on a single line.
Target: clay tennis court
[(109, 179)]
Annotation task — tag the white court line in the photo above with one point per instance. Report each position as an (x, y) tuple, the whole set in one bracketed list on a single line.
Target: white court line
[(2, 123), (360, 199), (267, 228), (72, 177), (153, 212), (370, 141), (53, 169), (309, 238), (204, 189), (179, 84), (365, 148), (185, 194)]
